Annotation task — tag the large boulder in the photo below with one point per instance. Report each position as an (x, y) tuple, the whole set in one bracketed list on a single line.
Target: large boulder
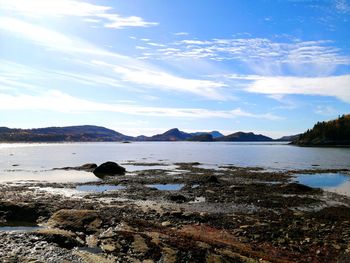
[(109, 168), (63, 238), (88, 167), (76, 220)]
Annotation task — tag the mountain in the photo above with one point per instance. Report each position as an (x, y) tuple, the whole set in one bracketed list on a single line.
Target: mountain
[(335, 132), (244, 137), (86, 133), (90, 133), (170, 135), (288, 138), (214, 134), (201, 137)]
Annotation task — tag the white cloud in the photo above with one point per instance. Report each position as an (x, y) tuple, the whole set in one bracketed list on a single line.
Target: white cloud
[(48, 38), (54, 100), (335, 86), (162, 80), (116, 21), (263, 56), (342, 6), (59, 8), (325, 110), (181, 34), (122, 68)]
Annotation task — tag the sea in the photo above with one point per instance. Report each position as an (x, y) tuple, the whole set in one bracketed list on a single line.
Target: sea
[(23, 162)]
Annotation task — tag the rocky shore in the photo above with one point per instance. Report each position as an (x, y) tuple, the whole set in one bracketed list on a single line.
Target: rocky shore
[(189, 213)]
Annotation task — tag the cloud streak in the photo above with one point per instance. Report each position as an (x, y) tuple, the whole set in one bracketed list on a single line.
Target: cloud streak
[(91, 13), (336, 86), (258, 53), (58, 101), (121, 69)]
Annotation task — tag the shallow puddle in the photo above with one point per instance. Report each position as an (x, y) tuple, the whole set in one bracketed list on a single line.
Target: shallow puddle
[(332, 182), (198, 199), (166, 187), (19, 228), (99, 188)]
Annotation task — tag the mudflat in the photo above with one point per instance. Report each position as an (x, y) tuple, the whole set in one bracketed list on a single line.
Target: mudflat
[(190, 213)]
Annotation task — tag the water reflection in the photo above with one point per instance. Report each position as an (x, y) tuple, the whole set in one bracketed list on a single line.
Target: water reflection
[(166, 187), (333, 182), (99, 188)]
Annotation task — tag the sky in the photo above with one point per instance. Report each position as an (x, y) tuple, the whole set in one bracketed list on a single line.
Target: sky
[(274, 67)]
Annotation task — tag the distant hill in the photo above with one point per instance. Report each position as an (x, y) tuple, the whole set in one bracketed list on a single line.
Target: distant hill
[(244, 137), (334, 132), (90, 133), (214, 134), (86, 133), (170, 135), (201, 137), (288, 138)]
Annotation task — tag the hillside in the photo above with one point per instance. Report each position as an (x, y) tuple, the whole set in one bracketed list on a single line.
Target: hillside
[(334, 132), (244, 137), (86, 133), (214, 134), (170, 135), (201, 137), (90, 133), (288, 138)]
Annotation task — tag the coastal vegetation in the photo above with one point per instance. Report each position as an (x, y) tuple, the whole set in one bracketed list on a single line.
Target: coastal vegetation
[(330, 133)]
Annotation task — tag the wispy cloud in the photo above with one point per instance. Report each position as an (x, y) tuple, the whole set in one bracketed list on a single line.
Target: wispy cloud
[(91, 13), (325, 110), (181, 34), (166, 81), (335, 86), (58, 101), (120, 68), (342, 6), (261, 54)]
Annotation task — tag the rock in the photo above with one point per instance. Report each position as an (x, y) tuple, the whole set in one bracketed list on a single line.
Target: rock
[(63, 238), (169, 255), (296, 188), (139, 245), (166, 223), (92, 241), (176, 213), (177, 198), (109, 168), (109, 233), (76, 220), (110, 247), (20, 212), (89, 167), (212, 179), (93, 258)]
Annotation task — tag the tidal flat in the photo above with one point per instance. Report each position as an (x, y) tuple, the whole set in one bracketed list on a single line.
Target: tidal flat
[(222, 214)]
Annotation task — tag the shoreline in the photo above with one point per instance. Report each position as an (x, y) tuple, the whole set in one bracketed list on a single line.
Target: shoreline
[(228, 214)]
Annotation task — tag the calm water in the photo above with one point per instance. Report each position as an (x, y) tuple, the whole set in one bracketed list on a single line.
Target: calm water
[(166, 187), (32, 161), (333, 182), (99, 188)]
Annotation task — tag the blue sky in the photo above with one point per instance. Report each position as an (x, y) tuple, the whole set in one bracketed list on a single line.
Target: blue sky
[(141, 67)]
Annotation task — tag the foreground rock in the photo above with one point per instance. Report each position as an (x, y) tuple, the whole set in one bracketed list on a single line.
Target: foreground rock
[(109, 168), (251, 215), (76, 220), (88, 167)]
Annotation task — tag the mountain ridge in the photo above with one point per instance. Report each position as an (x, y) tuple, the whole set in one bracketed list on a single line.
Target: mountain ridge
[(92, 133)]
